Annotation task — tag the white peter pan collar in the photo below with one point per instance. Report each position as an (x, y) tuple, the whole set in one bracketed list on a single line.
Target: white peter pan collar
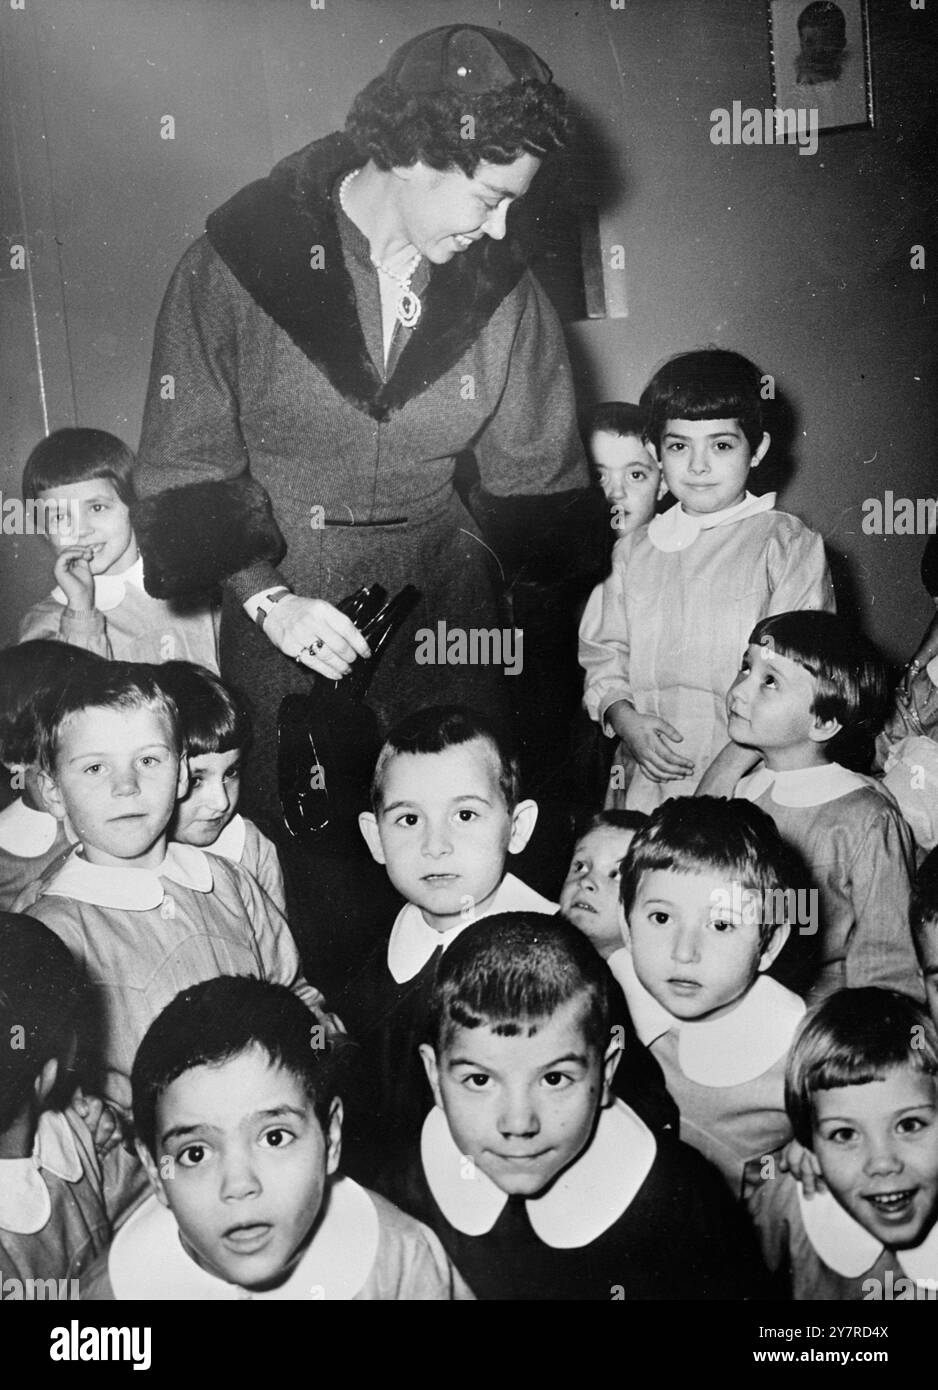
[(727, 1051), (230, 843), (804, 786), (850, 1250), (676, 529), (26, 833), (575, 1210), (413, 942), (147, 1258), (133, 890), (109, 589), (25, 1203)]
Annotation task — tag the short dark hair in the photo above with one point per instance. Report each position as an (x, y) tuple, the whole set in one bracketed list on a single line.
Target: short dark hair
[(515, 969), (852, 1038), (213, 716), (923, 903), (713, 835), (211, 1023), (438, 727), (852, 680), (40, 993), (30, 674), (76, 455), (615, 417), (119, 685), (708, 384), (611, 820), (396, 128), (825, 15)]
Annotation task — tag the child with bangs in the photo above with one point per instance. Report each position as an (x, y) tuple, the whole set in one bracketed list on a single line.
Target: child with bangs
[(658, 636), (808, 683), (143, 916), (216, 734), (83, 478), (861, 1088), (709, 894), (31, 839), (539, 1184)]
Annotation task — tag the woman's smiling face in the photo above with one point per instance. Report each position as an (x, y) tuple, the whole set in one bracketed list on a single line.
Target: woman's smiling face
[(445, 211)]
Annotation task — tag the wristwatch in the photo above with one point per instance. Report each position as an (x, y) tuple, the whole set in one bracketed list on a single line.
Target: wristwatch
[(275, 595)]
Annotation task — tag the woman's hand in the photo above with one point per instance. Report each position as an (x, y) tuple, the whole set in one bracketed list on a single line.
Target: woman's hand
[(315, 634), (73, 575), (648, 739)]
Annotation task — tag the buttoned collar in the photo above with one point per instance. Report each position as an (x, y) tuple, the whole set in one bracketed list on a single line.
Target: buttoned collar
[(25, 1202), (576, 1209), (148, 1260), (413, 942), (110, 589), (803, 786), (26, 833), (737, 1047), (230, 843), (676, 529), (850, 1249), (132, 890)]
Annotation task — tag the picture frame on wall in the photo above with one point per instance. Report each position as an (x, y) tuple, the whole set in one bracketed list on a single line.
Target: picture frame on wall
[(820, 58)]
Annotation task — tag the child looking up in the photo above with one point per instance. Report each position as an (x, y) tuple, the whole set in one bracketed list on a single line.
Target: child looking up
[(239, 1126), (589, 897), (216, 732), (83, 478), (59, 1188), (708, 898), (538, 1183), (805, 679), (446, 815), (862, 1091), (142, 916), (31, 839), (658, 636)]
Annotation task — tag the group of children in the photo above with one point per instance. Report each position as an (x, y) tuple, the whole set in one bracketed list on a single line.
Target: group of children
[(708, 1071)]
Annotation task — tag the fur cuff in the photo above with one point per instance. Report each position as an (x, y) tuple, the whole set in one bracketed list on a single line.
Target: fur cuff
[(191, 538)]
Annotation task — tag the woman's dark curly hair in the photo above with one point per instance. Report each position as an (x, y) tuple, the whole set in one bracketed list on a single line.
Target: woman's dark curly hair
[(396, 128)]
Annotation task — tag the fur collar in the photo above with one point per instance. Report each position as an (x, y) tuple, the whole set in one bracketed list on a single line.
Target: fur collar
[(264, 235)]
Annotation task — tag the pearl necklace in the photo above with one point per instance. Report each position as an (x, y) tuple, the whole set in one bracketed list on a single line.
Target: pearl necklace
[(408, 308)]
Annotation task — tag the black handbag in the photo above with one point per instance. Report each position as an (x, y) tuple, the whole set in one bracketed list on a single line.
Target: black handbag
[(328, 739)]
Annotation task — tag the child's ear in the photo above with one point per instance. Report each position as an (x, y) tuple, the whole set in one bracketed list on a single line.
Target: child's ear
[(49, 791), (182, 781), (368, 825), (45, 1081), (823, 730), (611, 1060), (428, 1057), (333, 1135), (780, 935), (523, 821), (759, 454), (152, 1171), (624, 924)]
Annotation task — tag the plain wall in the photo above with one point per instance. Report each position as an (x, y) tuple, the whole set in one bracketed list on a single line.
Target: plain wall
[(801, 262)]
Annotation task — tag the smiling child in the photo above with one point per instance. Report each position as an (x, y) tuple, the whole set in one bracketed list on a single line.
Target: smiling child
[(539, 1184), (862, 1091), (84, 480)]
